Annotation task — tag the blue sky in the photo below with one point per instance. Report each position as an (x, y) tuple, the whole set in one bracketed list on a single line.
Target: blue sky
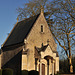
[(8, 15)]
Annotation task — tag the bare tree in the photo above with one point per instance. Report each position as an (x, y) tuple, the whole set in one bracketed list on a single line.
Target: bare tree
[(32, 8), (63, 28), (60, 15)]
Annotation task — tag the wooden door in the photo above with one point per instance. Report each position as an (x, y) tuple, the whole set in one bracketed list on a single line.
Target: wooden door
[(43, 69)]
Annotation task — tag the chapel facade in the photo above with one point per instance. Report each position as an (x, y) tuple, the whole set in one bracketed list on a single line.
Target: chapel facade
[(31, 46)]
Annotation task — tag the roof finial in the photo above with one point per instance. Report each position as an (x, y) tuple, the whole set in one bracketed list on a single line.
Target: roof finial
[(42, 9), (17, 19)]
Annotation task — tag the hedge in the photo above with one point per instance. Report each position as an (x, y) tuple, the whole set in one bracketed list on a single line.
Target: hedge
[(24, 72), (7, 71), (0, 71), (33, 72)]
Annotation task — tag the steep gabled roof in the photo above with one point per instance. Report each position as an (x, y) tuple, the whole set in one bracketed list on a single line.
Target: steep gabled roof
[(20, 31)]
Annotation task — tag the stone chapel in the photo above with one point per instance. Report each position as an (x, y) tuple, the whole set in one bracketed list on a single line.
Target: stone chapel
[(30, 46)]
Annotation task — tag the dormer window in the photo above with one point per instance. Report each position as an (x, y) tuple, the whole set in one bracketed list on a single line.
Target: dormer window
[(41, 28)]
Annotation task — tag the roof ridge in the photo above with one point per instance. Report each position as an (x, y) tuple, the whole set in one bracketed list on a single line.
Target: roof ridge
[(28, 18)]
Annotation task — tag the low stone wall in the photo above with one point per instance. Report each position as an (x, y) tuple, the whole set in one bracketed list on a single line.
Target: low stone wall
[(67, 74)]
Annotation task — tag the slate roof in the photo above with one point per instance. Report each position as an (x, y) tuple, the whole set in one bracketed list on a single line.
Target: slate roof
[(20, 31)]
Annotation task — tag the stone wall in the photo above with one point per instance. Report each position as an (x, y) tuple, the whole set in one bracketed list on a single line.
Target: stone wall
[(57, 64), (36, 37), (24, 62)]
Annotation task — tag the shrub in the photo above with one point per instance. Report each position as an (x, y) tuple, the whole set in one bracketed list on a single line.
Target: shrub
[(33, 72), (24, 72), (7, 71), (0, 71)]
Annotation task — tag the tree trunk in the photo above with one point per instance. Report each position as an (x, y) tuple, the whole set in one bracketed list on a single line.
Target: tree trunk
[(70, 57), (70, 65)]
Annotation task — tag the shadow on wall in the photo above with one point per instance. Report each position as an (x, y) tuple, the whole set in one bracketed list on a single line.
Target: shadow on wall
[(14, 63)]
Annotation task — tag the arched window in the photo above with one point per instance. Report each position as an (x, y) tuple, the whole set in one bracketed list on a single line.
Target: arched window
[(41, 28)]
